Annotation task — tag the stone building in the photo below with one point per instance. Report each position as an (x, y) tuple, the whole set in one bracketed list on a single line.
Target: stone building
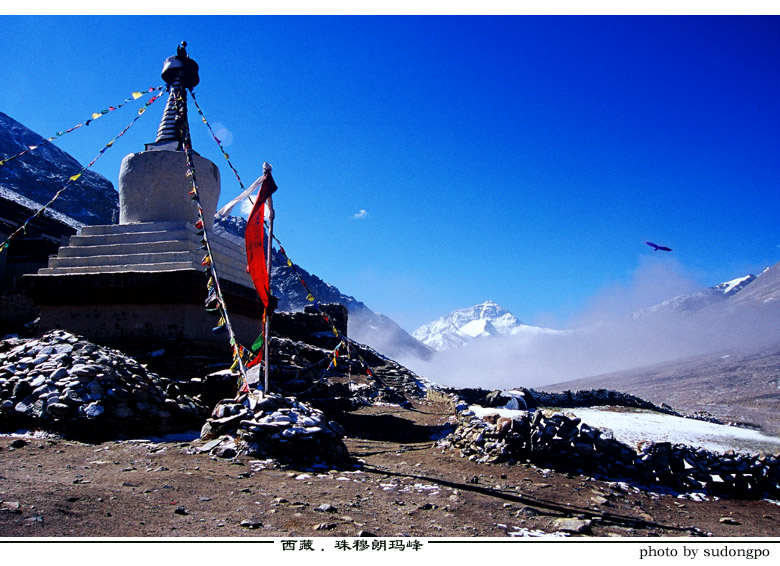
[(143, 279)]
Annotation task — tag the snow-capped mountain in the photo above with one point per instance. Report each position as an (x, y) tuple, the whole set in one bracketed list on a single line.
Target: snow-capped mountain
[(764, 289), (697, 301), (39, 174), (461, 327)]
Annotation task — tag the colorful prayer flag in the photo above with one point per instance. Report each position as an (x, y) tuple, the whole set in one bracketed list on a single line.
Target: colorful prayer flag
[(254, 238)]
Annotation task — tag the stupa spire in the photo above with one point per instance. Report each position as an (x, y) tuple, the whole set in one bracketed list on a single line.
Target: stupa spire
[(179, 73)]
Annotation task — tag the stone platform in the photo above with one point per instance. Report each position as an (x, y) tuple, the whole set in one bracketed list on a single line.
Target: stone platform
[(144, 281)]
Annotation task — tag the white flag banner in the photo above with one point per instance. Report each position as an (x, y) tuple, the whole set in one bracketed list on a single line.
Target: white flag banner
[(225, 210)]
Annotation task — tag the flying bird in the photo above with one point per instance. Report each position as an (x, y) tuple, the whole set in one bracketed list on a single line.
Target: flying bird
[(656, 247)]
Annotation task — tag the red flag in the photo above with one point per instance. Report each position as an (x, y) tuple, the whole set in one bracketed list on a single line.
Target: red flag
[(254, 238)]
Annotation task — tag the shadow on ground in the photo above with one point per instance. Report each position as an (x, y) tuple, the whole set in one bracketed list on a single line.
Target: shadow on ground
[(390, 428)]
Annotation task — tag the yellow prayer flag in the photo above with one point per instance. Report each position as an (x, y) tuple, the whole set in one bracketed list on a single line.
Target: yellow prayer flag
[(96, 115), (137, 95), (76, 176), (309, 297)]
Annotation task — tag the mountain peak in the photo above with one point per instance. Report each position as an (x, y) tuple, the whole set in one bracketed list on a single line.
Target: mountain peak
[(462, 326)]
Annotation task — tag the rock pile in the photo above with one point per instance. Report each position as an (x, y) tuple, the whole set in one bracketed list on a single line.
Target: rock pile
[(562, 442), (63, 383), (303, 370), (274, 426), (532, 398)]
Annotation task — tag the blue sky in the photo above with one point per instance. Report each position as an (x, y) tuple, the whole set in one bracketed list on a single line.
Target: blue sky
[(430, 163)]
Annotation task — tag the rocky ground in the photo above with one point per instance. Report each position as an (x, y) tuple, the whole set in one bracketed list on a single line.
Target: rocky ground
[(401, 483)]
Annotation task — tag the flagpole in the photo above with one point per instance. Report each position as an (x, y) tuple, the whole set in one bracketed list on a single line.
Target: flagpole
[(269, 312)]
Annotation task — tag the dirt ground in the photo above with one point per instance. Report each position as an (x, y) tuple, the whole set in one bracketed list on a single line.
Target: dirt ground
[(402, 485)]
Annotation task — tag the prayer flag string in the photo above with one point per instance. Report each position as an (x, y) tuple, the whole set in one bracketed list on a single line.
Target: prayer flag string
[(216, 139), (310, 296), (215, 301), (312, 299), (243, 357), (75, 177), (95, 115)]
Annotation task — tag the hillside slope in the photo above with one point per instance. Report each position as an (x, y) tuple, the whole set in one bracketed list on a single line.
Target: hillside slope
[(732, 386), (39, 174)]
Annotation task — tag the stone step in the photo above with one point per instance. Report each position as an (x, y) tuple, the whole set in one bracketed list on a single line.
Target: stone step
[(148, 246), (227, 248), (127, 248), (101, 229), (133, 237), (125, 259), (116, 236), (150, 267), (223, 273), (225, 268)]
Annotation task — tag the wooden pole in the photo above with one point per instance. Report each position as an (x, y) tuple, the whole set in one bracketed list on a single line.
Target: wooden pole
[(267, 340)]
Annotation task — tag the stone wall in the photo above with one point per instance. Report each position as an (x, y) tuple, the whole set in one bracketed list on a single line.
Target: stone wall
[(565, 443), (310, 325)]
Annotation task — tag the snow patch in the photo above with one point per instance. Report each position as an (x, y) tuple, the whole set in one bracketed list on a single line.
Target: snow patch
[(633, 426)]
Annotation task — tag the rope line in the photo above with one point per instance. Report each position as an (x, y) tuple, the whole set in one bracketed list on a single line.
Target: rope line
[(215, 301), (216, 139), (95, 115), (73, 178), (310, 296), (336, 332)]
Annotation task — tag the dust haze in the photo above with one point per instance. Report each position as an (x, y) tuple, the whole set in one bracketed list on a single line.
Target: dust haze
[(611, 333)]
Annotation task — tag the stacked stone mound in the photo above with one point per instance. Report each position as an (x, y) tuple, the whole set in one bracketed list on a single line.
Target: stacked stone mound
[(283, 428), (62, 383), (565, 443), (299, 369)]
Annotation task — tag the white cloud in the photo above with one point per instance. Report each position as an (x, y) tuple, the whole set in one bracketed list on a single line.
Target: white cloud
[(246, 207), (224, 135), (360, 214), (606, 338)]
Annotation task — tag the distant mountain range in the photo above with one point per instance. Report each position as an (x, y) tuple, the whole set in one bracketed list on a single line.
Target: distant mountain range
[(36, 176), (92, 200), (696, 301), (463, 327), (738, 380), (39, 174)]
